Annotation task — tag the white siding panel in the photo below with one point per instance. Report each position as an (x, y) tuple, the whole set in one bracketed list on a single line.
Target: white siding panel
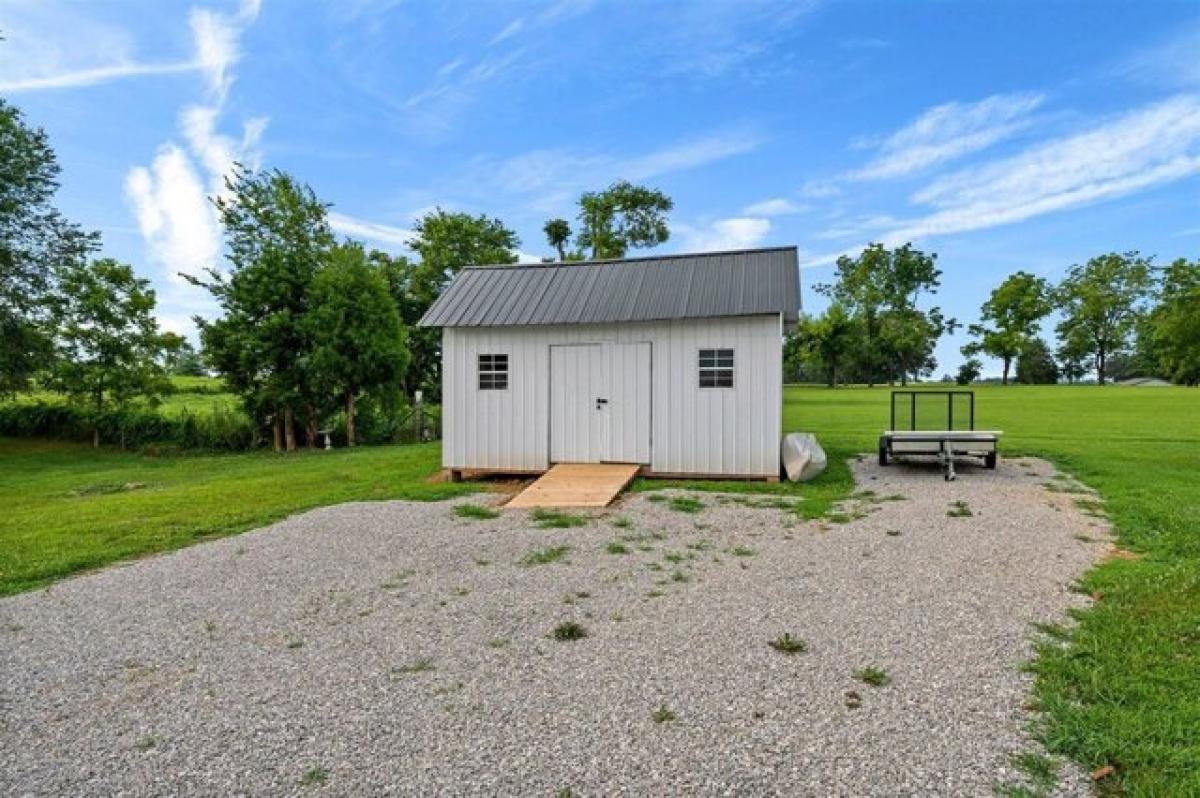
[(733, 431)]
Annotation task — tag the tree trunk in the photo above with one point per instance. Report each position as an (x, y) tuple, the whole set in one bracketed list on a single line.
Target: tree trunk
[(277, 431), (1004, 377), (95, 436), (289, 428), (310, 427), (1100, 365), (350, 418)]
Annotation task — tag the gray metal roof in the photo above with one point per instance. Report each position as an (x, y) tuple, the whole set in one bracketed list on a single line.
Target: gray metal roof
[(699, 285)]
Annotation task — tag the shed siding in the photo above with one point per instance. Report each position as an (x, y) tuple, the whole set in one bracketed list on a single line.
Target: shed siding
[(732, 431)]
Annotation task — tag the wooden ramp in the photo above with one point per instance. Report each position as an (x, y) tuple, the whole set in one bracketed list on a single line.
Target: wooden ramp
[(577, 485)]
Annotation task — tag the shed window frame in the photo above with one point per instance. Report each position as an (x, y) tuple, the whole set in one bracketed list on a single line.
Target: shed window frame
[(492, 370), (715, 367)]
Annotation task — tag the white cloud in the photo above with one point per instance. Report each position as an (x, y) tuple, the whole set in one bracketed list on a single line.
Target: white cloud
[(949, 131), (741, 232), (819, 189), (91, 77), (373, 232), (170, 197), (1172, 62), (778, 206), (510, 30), (1140, 149)]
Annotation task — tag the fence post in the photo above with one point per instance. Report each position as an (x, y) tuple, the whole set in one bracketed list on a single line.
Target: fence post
[(419, 415)]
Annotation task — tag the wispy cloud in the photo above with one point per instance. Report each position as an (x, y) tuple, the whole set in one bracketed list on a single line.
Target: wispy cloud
[(1172, 62), (1138, 150), (778, 206), (949, 131), (508, 31), (739, 232), (93, 76), (372, 232), (551, 178), (170, 196)]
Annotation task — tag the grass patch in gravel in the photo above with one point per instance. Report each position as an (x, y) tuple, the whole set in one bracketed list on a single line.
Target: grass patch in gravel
[(1041, 770), (873, 675), (622, 522), (423, 665), (476, 511), (568, 631), (742, 551), (685, 504), (556, 519), (314, 777), (663, 714), (959, 509), (786, 644), (545, 556), (616, 547)]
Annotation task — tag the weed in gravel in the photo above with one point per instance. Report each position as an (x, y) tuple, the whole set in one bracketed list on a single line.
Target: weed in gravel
[(423, 665), (482, 561), (959, 509), (497, 642), (656, 498), (569, 630), (676, 557), (398, 580), (662, 714), (556, 519), (787, 644), (616, 547), (653, 566), (686, 504), (853, 699), (476, 511), (680, 576), (210, 629), (545, 556), (873, 675), (146, 743), (1041, 769), (295, 643), (742, 551), (1016, 791), (622, 522), (314, 777), (893, 533), (655, 594)]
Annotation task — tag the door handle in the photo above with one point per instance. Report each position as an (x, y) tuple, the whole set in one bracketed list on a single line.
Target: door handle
[(600, 402)]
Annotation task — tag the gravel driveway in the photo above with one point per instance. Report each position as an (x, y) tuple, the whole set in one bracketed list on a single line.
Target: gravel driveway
[(395, 647)]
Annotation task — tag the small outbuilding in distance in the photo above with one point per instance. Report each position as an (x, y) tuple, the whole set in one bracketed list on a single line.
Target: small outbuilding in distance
[(673, 363)]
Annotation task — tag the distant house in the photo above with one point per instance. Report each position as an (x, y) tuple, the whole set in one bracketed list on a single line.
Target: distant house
[(672, 362), (1145, 382)]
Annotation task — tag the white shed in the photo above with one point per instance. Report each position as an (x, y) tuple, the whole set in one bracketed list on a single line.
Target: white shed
[(671, 362)]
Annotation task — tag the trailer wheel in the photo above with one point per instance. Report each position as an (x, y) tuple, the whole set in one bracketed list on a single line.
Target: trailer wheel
[(990, 460), (883, 454)]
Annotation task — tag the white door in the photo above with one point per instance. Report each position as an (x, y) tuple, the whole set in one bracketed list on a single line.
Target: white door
[(576, 412), (626, 428)]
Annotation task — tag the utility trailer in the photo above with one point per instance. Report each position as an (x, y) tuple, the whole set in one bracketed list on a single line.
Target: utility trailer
[(938, 423)]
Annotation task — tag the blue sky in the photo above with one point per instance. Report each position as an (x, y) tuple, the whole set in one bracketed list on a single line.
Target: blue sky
[(1002, 136)]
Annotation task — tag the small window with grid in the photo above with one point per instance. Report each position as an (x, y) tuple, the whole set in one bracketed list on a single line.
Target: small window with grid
[(493, 372), (716, 368)]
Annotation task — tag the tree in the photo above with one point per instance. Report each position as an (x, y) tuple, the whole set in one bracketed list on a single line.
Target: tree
[(623, 216), (1073, 356), (1035, 364), (358, 341), (277, 236), (558, 235), (881, 289), (108, 346), (446, 242), (826, 342), (1010, 315), (1172, 330), (1100, 302), (180, 357), (969, 371), (34, 242)]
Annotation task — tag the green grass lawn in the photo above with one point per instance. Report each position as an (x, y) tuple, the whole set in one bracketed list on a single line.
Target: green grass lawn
[(1125, 689), (197, 395), (68, 507)]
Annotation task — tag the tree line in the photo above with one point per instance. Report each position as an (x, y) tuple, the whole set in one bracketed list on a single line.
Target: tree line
[(1119, 316)]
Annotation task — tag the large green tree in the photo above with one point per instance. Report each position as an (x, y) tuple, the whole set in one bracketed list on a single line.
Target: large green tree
[(1100, 303), (881, 288), (1035, 364), (825, 343), (446, 243), (1009, 319), (277, 236), (358, 341), (1172, 329), (622, 217), (109, 347), (35, 242)]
